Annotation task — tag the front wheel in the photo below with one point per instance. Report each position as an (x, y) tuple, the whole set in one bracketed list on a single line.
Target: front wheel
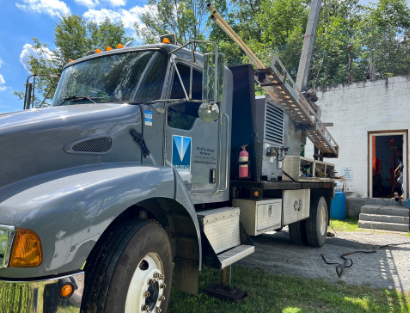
[(316, 224), (131, 272)]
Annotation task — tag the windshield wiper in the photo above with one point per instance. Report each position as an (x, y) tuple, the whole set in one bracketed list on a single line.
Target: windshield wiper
[(76, 98)]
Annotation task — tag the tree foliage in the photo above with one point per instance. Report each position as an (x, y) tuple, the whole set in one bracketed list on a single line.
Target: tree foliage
[(277, 27), (268, 26), (186, 18)]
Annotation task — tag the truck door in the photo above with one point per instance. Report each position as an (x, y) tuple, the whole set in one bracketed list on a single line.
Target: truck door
[(192, 144)]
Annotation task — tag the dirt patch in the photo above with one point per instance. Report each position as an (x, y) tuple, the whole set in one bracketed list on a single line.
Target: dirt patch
[(388, 268)]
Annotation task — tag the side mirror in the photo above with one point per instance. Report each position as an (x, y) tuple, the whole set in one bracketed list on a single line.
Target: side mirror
[(213, 77), (27, 96), (213, 80), (208, 112)]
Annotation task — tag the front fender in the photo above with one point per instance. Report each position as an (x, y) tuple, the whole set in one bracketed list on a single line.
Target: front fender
[(70, 213)]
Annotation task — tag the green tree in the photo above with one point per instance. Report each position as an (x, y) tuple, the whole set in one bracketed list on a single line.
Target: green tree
[(277, 27), (240, 15), (381, 24), (73, 38), (185, 18)]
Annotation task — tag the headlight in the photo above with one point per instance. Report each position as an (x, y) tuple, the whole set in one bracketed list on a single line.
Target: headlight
[(6, 240)]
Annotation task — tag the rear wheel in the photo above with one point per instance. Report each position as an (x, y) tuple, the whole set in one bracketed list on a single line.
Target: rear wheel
[(316, 224), (131, 272), (297, 232)]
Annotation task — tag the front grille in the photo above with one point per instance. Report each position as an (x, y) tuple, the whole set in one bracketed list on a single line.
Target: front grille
[(274, 122), (96, 145)]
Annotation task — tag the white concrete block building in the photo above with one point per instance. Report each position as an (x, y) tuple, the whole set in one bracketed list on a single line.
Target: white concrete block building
[(371, 120)]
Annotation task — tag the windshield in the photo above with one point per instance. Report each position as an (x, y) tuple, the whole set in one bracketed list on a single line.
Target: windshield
[(123, 77)]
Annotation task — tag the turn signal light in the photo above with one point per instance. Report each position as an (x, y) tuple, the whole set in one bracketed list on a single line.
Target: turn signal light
[(119, 46), (26, 249), (98, 51), (108, 48), (166, 40), (66, 291)]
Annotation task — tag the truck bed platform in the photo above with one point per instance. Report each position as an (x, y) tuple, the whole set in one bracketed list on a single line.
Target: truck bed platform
[(282, 185)]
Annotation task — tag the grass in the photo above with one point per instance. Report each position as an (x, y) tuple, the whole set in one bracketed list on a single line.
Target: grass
[(349, 224), (273, 293)]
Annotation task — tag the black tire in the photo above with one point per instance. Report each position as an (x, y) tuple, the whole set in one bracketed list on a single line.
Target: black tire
[(315, 224), (297, 232), (110, 268)]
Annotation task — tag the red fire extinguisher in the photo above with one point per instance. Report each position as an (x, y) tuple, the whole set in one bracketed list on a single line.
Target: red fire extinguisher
[(243, 168)]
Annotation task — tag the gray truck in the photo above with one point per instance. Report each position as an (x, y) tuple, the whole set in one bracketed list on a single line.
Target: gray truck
[(129, 183)]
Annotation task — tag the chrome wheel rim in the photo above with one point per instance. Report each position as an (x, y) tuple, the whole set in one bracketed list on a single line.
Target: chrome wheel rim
[(146, 288), (323, 220)]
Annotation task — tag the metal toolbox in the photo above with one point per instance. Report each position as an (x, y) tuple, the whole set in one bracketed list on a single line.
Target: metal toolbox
[(296, 205), (297, 169), (259, 216)]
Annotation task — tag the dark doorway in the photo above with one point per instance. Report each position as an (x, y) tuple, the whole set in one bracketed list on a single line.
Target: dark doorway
[(387, 155)]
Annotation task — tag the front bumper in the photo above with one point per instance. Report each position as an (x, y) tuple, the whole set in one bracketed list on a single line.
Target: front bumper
[(41, 296)]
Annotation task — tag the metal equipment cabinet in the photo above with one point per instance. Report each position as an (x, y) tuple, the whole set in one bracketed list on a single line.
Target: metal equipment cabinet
[(259, 216)]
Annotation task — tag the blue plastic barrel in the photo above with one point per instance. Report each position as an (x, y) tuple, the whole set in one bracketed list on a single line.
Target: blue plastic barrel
[(338, 206)]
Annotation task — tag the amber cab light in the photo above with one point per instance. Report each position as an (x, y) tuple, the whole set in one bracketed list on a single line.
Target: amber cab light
[(70, 61), (108, 48), (66, 291), (119, 46), (166, 40), (26, 249), (98, 51)]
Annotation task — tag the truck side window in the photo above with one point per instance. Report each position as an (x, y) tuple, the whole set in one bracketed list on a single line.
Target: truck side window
[(183, 115)]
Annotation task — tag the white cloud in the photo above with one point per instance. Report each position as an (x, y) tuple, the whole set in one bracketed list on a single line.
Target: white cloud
[(116, 3), (2, 82), (28, 50), (88, 3), (54, 8), (128, 17), (93, 3)]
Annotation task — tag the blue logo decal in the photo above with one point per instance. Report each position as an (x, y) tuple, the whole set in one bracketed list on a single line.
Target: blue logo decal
[(148, 118), (181, 154)]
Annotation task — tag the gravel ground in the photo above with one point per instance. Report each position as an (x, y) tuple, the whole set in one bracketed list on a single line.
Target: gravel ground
[(388, 268)]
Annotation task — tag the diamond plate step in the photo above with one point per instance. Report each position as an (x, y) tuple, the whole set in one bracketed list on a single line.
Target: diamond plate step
[(221, 227), (226, 240), (233, 255), (384, 226), (384, 218)]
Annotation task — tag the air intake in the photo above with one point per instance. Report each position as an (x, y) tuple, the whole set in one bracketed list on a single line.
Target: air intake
[(274, 123), (95, 145)]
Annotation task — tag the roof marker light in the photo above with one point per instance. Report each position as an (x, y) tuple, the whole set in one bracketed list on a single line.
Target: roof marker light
[(98, 51), (108, 48), (166, 40), (119, 46)]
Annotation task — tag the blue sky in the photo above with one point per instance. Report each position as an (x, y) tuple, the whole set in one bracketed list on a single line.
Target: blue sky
[(24, 19)]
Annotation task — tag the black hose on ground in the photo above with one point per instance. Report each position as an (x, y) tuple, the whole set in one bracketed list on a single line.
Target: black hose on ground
[(340, 267)]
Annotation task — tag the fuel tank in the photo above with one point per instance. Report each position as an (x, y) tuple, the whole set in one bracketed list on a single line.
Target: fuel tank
[(40, 141)]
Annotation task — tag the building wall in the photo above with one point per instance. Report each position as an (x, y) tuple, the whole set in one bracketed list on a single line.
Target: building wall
[(356, 109)]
